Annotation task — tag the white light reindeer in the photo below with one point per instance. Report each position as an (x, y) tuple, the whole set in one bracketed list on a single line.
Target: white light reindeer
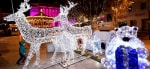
[(77, 32), (66, 40), (70, 32)]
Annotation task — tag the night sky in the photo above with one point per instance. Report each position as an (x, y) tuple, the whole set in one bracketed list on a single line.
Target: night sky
[(6, 5), (88, 7)]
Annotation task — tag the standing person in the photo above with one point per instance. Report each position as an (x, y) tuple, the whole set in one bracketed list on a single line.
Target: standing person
[(22, 52)]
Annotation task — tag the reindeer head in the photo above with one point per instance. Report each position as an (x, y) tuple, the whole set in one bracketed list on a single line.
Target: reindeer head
[(64, 10), (10, 17), (20, 13)]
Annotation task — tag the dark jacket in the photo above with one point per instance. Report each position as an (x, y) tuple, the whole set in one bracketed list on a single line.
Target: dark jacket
[(22, 48)]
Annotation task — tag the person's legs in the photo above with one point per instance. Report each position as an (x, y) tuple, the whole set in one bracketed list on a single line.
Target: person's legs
[(24, 58), (21, 57)]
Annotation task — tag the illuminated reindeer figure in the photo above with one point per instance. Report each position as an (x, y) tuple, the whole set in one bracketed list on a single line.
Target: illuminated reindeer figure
[(70, 33), (32, 35), (66, 39), (77, 32)]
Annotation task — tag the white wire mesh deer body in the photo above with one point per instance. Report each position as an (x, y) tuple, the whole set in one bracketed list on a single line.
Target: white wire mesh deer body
[(71, 32)]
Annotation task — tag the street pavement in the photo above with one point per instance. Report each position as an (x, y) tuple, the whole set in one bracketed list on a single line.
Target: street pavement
[(9, 50)]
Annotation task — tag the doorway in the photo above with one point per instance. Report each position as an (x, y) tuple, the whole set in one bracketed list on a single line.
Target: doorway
[(133, 23)]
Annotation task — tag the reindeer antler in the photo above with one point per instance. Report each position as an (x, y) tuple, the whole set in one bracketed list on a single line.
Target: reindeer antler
[(24, 6), (71, 5), (26, 1), (64, 10)]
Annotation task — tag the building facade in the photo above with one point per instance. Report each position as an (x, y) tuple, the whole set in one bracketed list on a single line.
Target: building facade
[(138, 15)]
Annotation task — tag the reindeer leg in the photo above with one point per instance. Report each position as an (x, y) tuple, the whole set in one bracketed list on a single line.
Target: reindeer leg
[(37, 51), (93, 45), (84, 46), (72, 55), (83, 50), (54, 55), (64, 61), (30, 55), (99, 48)]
